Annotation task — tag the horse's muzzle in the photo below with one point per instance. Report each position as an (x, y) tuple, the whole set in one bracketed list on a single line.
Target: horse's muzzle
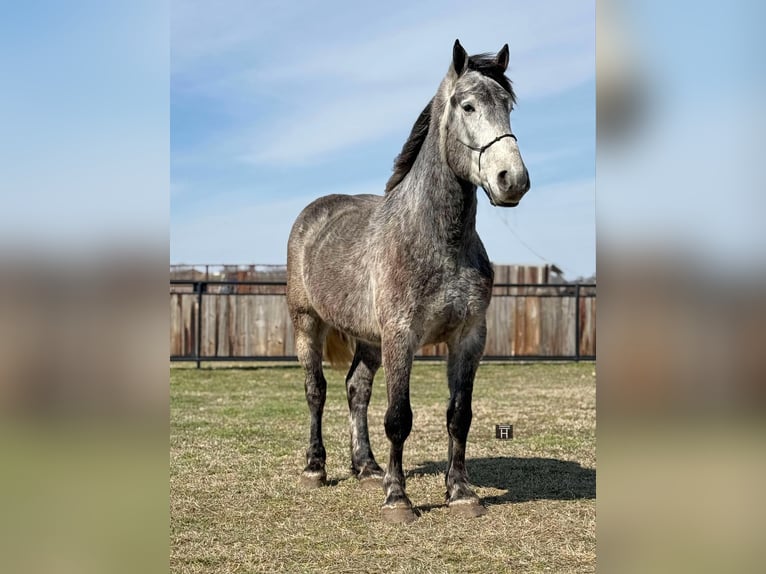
[(509, 188)]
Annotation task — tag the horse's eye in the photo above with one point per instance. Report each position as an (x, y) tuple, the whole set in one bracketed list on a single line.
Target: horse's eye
[(468, 108)]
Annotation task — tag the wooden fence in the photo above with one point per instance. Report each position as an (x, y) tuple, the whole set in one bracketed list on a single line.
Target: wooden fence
[(235, 320)]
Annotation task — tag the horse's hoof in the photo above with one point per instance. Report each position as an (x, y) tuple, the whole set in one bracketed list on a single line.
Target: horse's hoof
[(313, 479), (371, 478), (371, 482), (469, 507), (398, 513)]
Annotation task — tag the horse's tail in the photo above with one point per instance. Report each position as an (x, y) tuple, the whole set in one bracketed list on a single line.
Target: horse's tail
[(338, 349)]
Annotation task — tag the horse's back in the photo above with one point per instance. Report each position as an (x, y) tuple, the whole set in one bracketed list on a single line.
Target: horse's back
[(335, 215), (322, 211)]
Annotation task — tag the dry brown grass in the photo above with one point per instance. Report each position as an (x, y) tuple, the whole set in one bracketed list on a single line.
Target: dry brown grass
[(237, 448)]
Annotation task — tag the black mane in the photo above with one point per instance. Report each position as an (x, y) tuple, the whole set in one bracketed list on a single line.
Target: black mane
[(405, 159), (486, 65)]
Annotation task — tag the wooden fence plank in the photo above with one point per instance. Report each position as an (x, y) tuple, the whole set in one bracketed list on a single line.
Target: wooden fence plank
[(521, 321), (588, 326)]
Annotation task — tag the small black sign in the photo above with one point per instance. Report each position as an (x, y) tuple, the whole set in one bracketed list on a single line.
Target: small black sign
[(504, 432)]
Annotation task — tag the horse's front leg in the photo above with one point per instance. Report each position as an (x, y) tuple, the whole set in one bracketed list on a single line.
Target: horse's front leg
[(464, 357), (397, 350)]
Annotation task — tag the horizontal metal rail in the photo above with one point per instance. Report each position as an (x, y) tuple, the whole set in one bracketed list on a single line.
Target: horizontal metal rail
[(419, 358), (284, 283)]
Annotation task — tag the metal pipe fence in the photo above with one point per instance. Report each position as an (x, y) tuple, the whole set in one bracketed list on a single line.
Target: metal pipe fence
[(242, 321)]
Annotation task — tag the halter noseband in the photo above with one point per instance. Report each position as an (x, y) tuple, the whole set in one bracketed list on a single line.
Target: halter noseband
[(482, 149)]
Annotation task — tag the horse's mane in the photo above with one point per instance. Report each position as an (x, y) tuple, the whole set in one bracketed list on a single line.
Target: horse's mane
[(486, 65), (405, 159)]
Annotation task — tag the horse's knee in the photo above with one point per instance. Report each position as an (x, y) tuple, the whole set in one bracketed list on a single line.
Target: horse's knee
[(359, 393), (316, 390), (398, 422), (315, 397)]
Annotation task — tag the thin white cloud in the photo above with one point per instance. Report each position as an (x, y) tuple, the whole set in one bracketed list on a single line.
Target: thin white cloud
[(342, 89), (205, 31), (337, 125)]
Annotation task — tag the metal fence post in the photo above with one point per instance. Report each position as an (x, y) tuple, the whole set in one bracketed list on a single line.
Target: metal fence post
[(198, 341), (577, 322)]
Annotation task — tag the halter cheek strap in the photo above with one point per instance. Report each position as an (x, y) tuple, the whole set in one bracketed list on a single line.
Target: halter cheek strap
[(482, 149)]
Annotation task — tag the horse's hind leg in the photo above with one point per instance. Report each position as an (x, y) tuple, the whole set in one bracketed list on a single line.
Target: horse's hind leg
[(309, 338), (464, 356), (358, 391)]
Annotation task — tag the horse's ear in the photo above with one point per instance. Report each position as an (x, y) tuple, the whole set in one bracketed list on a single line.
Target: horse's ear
[(459, 58), (502, 57)]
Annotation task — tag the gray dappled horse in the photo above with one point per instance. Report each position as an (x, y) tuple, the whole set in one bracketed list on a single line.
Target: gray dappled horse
[(405, 269)]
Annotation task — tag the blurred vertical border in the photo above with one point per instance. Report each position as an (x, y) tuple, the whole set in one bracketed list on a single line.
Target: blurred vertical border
[(682, 286), (84, 112)]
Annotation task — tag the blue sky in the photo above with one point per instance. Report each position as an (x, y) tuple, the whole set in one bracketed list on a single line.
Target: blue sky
[(276, 103)]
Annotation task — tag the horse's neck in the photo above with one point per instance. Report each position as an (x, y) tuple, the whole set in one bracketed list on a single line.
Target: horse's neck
[(442, 205)]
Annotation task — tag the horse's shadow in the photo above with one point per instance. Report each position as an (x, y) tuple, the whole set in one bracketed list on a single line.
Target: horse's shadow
[(523, 479)]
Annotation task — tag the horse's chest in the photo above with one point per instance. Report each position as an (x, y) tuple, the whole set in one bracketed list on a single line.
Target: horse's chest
[(458, 304)]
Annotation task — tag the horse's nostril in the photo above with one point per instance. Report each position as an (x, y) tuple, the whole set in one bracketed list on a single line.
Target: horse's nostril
[(502, 178)]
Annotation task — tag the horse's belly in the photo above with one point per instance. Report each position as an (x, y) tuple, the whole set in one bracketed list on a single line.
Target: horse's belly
[(348, 307)]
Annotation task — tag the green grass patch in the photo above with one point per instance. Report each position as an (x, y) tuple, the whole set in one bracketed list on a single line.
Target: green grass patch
[(238, 438)]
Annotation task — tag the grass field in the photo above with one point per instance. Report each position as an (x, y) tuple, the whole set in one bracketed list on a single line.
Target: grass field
[(238, 438)]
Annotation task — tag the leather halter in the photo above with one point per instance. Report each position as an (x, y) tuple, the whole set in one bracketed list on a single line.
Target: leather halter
[(482, 149)]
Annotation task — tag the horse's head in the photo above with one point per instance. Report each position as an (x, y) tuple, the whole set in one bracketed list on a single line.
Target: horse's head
[(476, 128)]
